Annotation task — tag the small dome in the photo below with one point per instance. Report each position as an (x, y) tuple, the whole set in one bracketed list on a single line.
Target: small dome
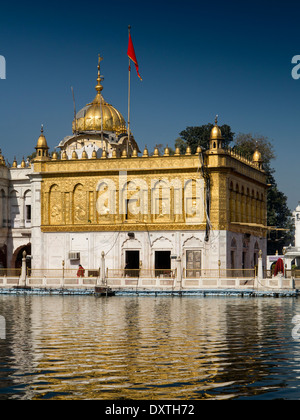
[(216, 133), (42, 142)]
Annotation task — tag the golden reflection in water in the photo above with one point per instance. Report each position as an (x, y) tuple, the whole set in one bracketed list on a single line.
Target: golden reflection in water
[(135, 347)]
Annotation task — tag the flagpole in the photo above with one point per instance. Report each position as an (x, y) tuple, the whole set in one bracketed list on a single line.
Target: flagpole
[(129, 73)]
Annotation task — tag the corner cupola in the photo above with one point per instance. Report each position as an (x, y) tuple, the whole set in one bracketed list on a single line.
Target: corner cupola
[(216, 138), (42, 147)]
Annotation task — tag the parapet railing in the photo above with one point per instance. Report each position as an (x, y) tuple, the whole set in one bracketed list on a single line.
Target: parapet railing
[(62, 273), (219, 273), (141, 273)]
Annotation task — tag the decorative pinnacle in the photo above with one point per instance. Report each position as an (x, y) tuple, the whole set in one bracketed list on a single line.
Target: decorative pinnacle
[(216, 119), (99, 87), (42, 128)]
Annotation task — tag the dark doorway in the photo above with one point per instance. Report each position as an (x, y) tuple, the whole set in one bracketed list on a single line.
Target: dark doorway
[(162, 263), (18, 255), (132, 263)]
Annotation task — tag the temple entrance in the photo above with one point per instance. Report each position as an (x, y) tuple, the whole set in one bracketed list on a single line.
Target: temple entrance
[(132, 263), (162, 263)]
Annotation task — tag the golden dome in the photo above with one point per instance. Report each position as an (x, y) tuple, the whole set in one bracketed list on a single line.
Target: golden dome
[(216, 133), (42, 143), (90, 118)]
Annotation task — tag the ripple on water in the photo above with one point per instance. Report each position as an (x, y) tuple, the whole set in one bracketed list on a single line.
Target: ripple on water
[(148, 348)]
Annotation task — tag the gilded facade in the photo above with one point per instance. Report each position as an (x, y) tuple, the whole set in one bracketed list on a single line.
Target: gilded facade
[(101, 194)]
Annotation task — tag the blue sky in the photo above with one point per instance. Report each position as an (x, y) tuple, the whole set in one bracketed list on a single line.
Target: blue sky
[(197, 59)]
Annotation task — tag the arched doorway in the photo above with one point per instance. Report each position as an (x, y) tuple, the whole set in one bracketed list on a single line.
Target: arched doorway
[(18, 255)]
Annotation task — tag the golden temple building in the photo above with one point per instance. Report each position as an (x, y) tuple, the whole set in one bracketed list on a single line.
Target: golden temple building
[(101, 195)]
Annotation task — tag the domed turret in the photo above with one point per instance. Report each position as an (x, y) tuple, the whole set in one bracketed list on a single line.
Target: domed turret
[(216, 138), (42, 147)]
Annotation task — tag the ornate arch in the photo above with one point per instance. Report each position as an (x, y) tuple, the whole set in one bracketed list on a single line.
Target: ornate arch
[(55, 205), (80, 213)]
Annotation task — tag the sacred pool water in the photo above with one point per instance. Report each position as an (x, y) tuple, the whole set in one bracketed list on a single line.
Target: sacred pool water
[(142, 348)]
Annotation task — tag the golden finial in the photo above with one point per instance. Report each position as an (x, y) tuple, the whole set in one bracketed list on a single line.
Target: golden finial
[(167, 151), (177, 151), (188, 151), (84, 155), (198, 151), (74, 155), (114, 154), (94, 154), (124, 154), (64, 155), (145, 154), (134, 154), (104, 154), (156, 152), (15, 163), (23, 164), (2, 161), (54, 156), (99, 87)]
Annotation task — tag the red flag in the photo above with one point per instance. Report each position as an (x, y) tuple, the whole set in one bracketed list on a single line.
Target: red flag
[(131, 55)]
